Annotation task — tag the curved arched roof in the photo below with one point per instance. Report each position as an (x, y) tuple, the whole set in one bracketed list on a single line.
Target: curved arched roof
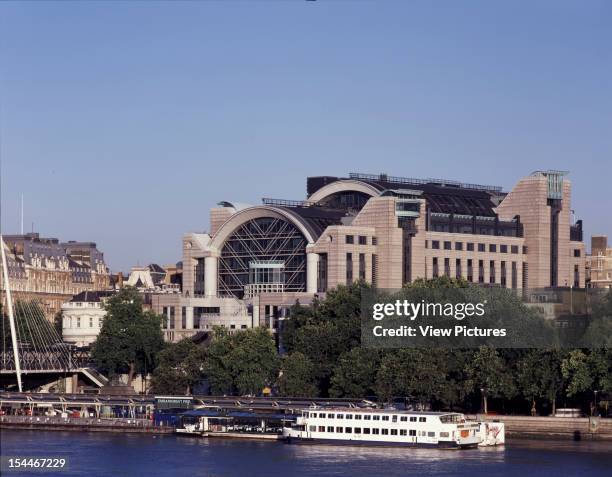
[(310, 221), (344, 185)]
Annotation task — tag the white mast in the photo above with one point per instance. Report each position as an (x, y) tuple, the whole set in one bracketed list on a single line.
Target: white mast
[(22, 213), (9, 304)]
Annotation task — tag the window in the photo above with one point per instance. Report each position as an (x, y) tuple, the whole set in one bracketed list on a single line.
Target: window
[(492, 271), (514, 277), (350, 239), (503, 249), (331, 416), (358, 417), (470, 270), (349, 416), (576, 252), (363, 240), (366, 430), (184, 317), (447, 267), (431, 434), (362, 266), (422, 419), (385, 432), (313, 428), (435, 267), (367, 417), (435, 244), (394, 432), (502, 279), (78, 322), (376, 418), (480, 271), (458, 245), (413, 419), (524, 249), (481, 247), (458, 273), (322, 415), (393, 418), (340, 416), (513, 248), (470, 247), (374, 241), (348, 430), (447, 245), (376, 431), (330, 428), (444, 434), (403, 432), (492, 247), (321, 428), (385, 418), (338, 429), (358, 430), (412, 432), (349, 268), (404, 418), (91, 321)]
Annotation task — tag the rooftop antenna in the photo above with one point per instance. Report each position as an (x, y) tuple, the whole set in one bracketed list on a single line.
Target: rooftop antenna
[(21, 228)]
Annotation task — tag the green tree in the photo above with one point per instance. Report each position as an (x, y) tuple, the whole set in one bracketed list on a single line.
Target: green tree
[(575, 369), (486, 372), (355, 374), (130, 338), (242, 362), (180, 366), (539, 376), (297, 376)]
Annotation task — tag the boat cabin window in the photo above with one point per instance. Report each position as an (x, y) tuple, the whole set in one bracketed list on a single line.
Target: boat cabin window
[(394, 419), (451, 418), (404, 418), (403, 432), (385, 418), (444, 434), (348, 430), (331, 416), (330, 428), (339, 416), (312, 428), (321, 428), (366, 430), (349, 416), (422, 419), (321, 414), (338, 429), (394, 432), (376, 418), (431, 434), (376, 431), (412, 432), (358, 430), (367, 417), (412, 418), (358, 417), (385, 432)]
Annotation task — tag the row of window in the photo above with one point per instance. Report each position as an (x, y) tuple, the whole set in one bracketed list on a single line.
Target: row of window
[(349, 267), (375, 431), (480, 277), (361, 240), (469, 246), (368, 417)]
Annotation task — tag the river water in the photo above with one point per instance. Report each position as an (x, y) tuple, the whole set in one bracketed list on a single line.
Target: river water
[(106, 454)]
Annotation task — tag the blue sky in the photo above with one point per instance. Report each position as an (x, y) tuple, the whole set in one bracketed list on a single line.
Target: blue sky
[(124, 122)]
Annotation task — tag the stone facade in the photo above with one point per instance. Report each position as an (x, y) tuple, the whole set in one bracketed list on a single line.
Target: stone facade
[(50, 272), (599, 263)]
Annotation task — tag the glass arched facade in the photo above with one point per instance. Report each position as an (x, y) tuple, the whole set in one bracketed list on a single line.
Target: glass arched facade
[(266, 247)]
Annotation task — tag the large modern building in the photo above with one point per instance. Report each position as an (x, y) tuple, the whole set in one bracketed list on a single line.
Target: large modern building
[(256, 261), (599, 263), (51, 272)]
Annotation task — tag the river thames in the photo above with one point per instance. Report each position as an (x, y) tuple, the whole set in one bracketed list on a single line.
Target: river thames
[(106, 454)]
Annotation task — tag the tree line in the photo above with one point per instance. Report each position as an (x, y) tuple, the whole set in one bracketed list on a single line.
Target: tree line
[(322, 356)]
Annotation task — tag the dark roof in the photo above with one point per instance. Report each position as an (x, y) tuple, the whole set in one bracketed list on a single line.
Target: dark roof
[(442, 196), (316, 219), (154, 267), (94, 296)]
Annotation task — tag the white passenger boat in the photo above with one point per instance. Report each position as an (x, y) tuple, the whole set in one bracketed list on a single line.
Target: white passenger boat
[(384, 427)]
